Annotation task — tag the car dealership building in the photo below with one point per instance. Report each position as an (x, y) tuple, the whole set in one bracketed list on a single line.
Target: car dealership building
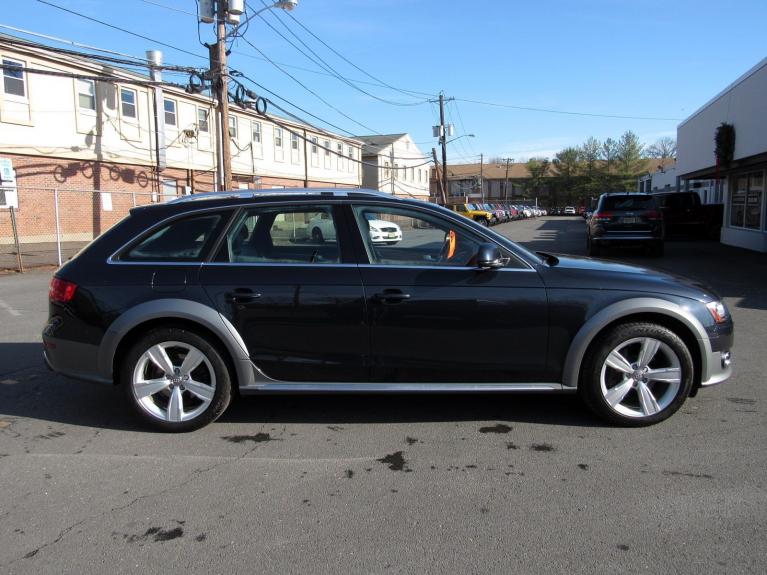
[(726, 140)]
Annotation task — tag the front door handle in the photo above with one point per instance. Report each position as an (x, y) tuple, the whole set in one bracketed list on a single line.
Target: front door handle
[(242, 295), (391, 296)]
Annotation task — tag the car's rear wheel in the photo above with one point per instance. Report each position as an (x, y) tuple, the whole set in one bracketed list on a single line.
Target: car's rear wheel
[(637, 374), (175, 380), (482, 222)]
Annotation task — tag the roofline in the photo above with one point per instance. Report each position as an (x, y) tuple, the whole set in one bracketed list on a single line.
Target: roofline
[(753, 70)]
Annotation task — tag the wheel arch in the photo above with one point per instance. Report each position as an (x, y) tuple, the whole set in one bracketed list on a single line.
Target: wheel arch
[(174, 313), (655, 310)]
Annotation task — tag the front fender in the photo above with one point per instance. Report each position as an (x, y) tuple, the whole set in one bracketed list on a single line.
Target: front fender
[(626, 308)]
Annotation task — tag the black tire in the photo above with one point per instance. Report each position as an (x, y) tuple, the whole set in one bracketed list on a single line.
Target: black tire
[(482, 222), (590, 384), (657, 250), (317, 236), (593, 249), (213, 362)]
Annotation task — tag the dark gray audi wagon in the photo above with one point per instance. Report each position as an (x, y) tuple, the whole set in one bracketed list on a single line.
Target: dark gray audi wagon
[(299, 291)]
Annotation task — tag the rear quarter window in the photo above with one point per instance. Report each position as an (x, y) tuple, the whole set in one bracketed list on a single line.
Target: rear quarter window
[(186, 239)]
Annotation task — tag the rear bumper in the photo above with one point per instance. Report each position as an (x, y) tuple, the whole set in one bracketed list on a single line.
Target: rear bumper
[(73, 359), (625, 238)]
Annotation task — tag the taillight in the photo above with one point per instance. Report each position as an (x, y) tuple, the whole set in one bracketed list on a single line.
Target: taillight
[(602, 217), (61, 291)]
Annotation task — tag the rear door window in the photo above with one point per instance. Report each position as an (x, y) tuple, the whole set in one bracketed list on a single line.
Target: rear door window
[(290, 235)]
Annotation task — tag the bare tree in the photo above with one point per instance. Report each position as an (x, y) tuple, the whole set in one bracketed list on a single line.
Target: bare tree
[(662, 149)]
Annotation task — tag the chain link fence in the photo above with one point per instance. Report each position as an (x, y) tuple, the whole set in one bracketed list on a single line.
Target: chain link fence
[(50, 225)]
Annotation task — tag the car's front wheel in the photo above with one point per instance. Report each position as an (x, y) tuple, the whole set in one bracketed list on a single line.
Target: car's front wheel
[(175, 380), (636, 374)]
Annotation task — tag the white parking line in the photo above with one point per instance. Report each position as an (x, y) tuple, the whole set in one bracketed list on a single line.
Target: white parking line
[(9, 309)]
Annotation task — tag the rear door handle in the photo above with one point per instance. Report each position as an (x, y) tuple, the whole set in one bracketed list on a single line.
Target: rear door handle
[(391, 296), (242, 295)]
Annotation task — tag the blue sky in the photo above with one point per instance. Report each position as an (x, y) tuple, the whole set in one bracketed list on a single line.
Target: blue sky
[(648, 58)]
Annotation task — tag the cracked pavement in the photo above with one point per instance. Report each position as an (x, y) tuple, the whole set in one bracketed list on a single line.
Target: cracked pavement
[(394, 484)]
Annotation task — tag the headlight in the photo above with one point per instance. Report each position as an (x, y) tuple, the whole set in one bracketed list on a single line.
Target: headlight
[(718, 311), (375, 229)]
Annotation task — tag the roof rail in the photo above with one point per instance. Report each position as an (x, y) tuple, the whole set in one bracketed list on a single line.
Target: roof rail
[(248, 194)]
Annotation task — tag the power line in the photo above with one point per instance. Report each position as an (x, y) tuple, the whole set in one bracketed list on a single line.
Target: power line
[(569, 113), (305, 87), (322, 63), (107, 24), (345, 59)]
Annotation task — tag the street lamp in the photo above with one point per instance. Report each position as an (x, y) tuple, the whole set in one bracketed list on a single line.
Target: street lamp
[(286, 5), (459, 137)]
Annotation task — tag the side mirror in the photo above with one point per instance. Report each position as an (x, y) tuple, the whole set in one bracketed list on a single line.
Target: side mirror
[(489, 256)]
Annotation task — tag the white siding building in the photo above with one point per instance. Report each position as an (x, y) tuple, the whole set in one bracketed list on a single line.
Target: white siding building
[(743, 104), (394, 164)]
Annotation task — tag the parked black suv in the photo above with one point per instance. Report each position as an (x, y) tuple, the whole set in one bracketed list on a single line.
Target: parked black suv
[(622, 219), (182, 303)]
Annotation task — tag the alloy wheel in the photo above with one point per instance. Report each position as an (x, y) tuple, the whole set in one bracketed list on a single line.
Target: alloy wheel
[(173, 381), (641, 377)]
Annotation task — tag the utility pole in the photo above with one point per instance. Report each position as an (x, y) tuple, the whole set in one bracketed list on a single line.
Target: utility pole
[(443, 191), (506, 185), (481, 177), (391, 170), (220, 75), (443, 140)]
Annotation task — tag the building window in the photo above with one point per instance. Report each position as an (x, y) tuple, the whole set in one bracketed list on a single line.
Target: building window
[(314, 144), (86, 94), (255, 130), (233, 127), (13, 78), (746, 201), (202, 120), (420, 175), (128, 103), (412, 174), (294, 141), (350, 152), (326, 143), (170, 112), (386, 169), (278, 137)]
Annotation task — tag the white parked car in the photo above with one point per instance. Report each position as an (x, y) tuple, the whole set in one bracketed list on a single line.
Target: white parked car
[(569, 211), (321, 228)]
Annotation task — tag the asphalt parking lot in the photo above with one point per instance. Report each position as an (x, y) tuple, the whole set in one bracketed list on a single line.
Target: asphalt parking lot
[(396, 484)]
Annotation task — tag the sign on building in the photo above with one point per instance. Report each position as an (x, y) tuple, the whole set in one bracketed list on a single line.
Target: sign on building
[(9, 196)]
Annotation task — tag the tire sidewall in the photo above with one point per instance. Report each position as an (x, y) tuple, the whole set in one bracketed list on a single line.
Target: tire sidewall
[(590, 387), (221, 396)]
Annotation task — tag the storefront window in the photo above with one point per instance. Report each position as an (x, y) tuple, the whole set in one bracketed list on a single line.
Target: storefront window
[(746, 201), (754, 200)]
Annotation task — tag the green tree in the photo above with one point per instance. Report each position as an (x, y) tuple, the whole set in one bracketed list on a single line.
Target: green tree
[(538, 168), (609, 155), (566, 164), (590, 153), (629, 159)]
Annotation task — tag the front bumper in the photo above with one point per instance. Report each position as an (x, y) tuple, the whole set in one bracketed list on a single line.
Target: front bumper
[(719, 367)]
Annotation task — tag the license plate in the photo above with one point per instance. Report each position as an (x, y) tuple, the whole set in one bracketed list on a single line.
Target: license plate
[(630, 220), (392, 235)]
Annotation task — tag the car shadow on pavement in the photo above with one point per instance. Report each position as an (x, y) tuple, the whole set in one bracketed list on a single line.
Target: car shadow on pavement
[(34, 392)]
